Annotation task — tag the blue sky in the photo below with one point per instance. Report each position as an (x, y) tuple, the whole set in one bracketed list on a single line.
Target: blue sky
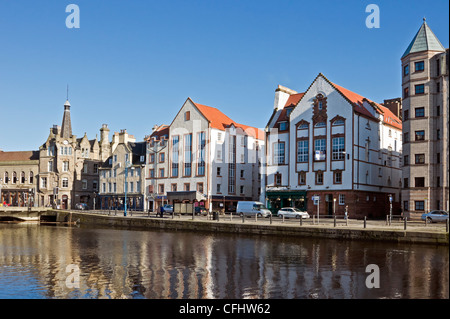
[(132, 64)]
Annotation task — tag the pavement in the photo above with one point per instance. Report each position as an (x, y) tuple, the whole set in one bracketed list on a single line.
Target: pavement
[(322, 222)]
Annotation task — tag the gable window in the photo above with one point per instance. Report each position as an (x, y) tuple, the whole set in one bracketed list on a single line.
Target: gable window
[(187, 115), (187, 154)]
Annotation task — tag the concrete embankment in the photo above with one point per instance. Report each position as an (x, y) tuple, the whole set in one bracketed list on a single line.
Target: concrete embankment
[(347, 233)]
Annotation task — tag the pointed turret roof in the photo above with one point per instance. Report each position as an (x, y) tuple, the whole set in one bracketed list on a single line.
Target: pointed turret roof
[(424, 40), (66, 128)]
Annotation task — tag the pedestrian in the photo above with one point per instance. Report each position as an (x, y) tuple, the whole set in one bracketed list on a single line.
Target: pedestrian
[(161, 210), (346, 209)]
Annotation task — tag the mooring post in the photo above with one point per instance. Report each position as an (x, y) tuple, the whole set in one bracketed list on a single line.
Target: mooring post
[(405, 223), (334, 220), (365, 221), (301, 220)]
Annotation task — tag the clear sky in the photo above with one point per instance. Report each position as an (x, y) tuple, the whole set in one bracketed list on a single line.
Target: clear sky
[(132, 64)]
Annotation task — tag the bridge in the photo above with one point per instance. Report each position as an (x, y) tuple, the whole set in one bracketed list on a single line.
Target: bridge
[(34, 214)]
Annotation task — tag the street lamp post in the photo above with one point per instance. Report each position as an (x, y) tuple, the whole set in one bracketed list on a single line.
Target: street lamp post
[(127, 165)]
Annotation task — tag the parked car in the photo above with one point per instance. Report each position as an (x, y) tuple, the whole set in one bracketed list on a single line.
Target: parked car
[(435, 216), (168, 209), (250, 208), (81, 206), (292, 212), (200, 210)]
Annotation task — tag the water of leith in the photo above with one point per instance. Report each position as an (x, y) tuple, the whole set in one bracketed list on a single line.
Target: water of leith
[(46, 262)]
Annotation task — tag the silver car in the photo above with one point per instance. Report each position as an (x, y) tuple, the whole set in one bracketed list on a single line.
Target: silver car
[(292, 212), (435, 216)]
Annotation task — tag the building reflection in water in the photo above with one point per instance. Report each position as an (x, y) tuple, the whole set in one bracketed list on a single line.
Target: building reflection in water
[(181, 265)]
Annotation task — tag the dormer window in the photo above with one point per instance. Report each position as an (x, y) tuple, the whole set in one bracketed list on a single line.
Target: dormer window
[(283, 126), (288, 111)]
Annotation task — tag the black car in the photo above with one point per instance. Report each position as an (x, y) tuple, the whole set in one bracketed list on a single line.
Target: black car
[(200, 210)]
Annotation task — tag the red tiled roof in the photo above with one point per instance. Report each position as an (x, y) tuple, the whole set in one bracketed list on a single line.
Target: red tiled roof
[(357, 100), (294, 99), (19, 156), (220, 121)]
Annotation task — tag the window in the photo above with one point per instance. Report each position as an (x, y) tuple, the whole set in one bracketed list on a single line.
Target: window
[(320, 124), (302, 178), (95, 185), (218, 188), (50, 166), (420, 111), (151, 158), (438, 110), (283, 126), (14, 179), (406, 160), (438, 87), (241, 189), (405, 205), (200, 187), (174, 187), (161, 172), (320, 105), (109, 188), (419, 89), (103, 187), (419, 66), (161, 157), (406, 70), (338, 148), (175, 154), (419, 205), (31, 177), (319, 178), (302, 151), (341, 199), (337, 177), (187, 115), (242, 173), (438, 134), (142, 158), (279, 153), (406, 137), (419, 181), (438, 158), (187, 187), (95, 168), (219, 171), (320, 147), (219, 155), (22, 177), (152, 173), (288, 111), (161, 188), (420, 135), (338, 122), (420, 158), (406, 182), (84, 184), (201, 154), (115, 172), (303, 126), (438, 181), (405, 115), (406, 92), (131, 187), (187, 154), (65, 182), (85, 168), (278, 179), (43, 182)]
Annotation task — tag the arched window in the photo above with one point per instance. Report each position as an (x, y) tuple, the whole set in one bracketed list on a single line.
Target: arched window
[(31, 177), (6, 178), (320, 124), (14, 178), (22, 178)]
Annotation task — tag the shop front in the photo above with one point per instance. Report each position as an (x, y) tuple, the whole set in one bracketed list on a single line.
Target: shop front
[(275, 200)]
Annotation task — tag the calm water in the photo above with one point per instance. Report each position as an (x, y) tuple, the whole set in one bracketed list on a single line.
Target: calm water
[(173, 265)]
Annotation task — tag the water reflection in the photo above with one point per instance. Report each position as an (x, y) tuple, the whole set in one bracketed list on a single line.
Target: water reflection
[(174, 265)]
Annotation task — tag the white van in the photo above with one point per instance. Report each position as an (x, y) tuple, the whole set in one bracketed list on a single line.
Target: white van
[(249, 208)]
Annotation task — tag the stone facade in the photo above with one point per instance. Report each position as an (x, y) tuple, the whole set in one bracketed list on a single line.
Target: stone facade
[(426, 124)]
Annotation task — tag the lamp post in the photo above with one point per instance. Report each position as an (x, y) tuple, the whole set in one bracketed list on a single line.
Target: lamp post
[(334, 206), (127, 165)]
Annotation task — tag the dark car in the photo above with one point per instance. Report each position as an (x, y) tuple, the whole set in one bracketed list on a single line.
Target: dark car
[(200, 210)]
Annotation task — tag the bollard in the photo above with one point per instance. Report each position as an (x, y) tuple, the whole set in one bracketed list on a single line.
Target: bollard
[(334, 221), (346, 221), (301, 221), (256, 217), (387, 220), (365, 221), (243, 220), (270, 217), (314, 222), (282, 219), (404, 227), (231, 216), (217, 216), (446, 226)]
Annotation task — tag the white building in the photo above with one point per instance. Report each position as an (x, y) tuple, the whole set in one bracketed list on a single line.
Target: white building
[(335, 144), (203, 157)]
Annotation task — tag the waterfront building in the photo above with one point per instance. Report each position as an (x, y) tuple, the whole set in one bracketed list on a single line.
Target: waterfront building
[(18, 178), (333, 144), (122, 174), (204, 157), (68, 166), (425, 124)]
